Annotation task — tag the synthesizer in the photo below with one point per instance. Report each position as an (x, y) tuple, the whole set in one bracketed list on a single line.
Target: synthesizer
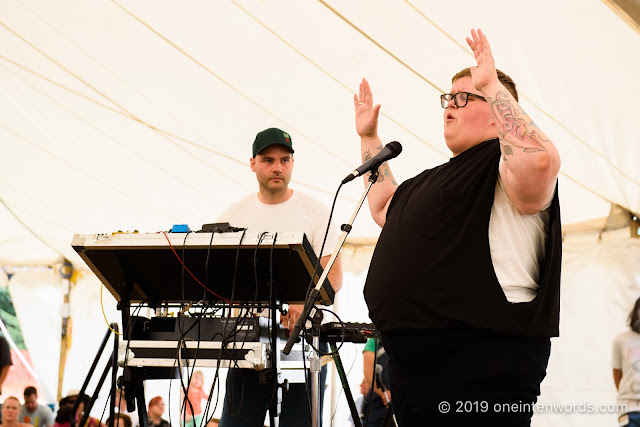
[(336, 332), (196, 266)]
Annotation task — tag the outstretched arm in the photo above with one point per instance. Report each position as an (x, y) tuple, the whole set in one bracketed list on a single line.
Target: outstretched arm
[(531, 161), (370, 144)]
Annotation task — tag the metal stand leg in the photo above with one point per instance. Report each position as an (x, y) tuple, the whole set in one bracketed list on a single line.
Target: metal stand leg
[(389, 418), (345, 385), (111, 365), (314, 362), (142, 406), (274, 376)]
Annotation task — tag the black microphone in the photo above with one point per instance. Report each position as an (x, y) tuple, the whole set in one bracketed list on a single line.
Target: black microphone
[(390, 151)]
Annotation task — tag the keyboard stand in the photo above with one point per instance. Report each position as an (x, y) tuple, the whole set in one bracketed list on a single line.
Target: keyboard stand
[(345, 385)]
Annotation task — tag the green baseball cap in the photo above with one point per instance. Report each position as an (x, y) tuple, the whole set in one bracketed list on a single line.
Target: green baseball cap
[(270, 137)]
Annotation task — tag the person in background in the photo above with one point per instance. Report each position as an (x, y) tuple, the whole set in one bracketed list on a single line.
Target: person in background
[(155, 412), (33, 413), (277, 208), (69, 402), (10, 413), (192, 413), (626, 369), (121, 420), (374, 355), (65, 410), (360, 403), (83, 403), (5, 360), (63, 417), (121, 407)]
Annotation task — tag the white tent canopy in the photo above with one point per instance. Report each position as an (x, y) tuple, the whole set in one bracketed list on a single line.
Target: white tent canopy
[(139, 115)]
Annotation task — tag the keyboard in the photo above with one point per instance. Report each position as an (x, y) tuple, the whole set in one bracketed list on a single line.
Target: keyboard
[(355, 332)]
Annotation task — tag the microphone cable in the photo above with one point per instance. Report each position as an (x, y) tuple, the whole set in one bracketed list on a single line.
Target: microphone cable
[(324, 240)]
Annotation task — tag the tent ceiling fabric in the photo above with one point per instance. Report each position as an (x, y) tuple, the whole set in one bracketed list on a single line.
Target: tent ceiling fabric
[(138, 115)]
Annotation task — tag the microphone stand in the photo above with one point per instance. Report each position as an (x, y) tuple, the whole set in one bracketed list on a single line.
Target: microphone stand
[(309, 305), (390, 417)]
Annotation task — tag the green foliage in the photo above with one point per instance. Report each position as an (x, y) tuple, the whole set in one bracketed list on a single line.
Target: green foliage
[(8, 315)]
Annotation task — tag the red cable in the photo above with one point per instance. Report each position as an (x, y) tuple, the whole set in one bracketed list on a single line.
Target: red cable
[(189, 271)]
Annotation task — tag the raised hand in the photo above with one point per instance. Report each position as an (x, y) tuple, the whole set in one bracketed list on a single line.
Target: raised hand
[(366, 113), (485, 72)]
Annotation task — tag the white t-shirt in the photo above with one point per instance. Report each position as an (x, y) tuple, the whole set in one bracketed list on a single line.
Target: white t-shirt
[(41, 417), (518, 244), (301, 213), (626, 357)]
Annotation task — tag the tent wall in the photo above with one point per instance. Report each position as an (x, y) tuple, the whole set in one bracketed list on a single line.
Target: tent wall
[(600, 282)]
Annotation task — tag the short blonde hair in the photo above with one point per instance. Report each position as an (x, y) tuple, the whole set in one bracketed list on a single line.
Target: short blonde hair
[(13, 398)]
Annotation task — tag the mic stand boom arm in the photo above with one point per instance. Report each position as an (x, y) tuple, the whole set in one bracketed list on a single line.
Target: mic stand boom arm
[(310, 304), (315, 293)]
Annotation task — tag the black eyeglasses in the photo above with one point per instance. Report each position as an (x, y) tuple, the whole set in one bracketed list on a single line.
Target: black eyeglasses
[(460, 99)]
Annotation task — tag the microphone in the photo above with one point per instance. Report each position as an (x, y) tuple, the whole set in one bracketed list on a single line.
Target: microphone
[(379, 382), (390, 151)]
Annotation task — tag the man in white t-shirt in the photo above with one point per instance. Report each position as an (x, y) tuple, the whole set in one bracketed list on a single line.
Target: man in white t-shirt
[(276, 208)]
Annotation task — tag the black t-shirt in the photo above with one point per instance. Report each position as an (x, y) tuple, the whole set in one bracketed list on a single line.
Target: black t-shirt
[(432, 266)]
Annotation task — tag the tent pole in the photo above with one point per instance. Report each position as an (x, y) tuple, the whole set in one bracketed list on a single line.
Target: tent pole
[(66, 272)]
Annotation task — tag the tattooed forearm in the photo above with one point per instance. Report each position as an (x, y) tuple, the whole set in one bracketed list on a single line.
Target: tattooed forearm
[(384, 170), (366, 156), (512, 128)]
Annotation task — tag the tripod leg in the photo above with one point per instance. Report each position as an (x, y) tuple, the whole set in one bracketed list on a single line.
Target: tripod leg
[(142, 406), (275, 408), (345, 386), (93, 398)]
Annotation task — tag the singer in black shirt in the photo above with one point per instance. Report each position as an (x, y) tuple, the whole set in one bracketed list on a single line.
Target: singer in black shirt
[(464, 282)]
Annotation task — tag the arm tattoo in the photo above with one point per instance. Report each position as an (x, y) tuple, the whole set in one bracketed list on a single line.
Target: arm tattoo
[(367, 156), (512, 128), (506, 151), (386, 172)]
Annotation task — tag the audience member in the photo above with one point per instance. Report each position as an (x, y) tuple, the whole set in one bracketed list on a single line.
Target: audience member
[(121, 420), (121, 405), (376, 401), (82, 405), (192, 406), (626, 369), (33, 413), (10, 413), (156, 410), (63, 417)]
